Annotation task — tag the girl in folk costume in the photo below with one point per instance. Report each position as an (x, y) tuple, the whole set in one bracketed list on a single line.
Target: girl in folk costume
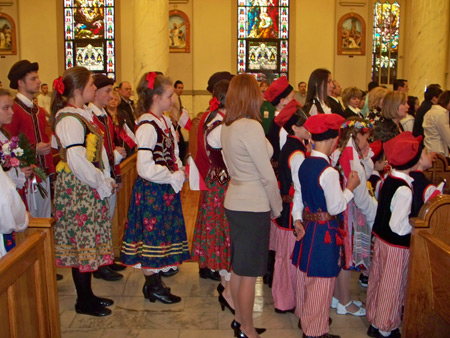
[(155, 235), (211, 244), (13, 215), (123, 136), (291, 118), (83, 228), (392, 231), (320, 86), (353, 153), (317, 253)]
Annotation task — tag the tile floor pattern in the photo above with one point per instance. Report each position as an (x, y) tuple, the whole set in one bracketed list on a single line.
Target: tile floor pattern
[(198, 315)]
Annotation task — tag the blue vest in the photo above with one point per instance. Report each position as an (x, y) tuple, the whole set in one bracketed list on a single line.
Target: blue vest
[(317, 253)]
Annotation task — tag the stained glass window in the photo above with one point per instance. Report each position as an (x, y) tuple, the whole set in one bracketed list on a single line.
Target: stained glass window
[(263, 33), (386, 23), (89, 35)]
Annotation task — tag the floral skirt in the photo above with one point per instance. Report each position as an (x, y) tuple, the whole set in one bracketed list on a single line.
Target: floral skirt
[(155, 234), (212, 245), (83, 237)]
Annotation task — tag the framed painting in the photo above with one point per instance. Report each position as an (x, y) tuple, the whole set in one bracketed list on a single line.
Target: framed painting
[(7, 35), (351, 35), (179, 32)]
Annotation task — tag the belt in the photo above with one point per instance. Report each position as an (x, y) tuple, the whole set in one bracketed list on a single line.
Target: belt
[(317, 216), (287, 198)]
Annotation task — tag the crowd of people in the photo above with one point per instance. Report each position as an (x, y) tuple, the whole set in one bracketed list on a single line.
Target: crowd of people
[(301, 188)]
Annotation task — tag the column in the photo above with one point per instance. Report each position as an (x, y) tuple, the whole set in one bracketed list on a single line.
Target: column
[(151, 37), (429, 44)]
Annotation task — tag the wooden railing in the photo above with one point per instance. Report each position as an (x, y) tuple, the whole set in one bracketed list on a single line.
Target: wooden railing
[(28, 293), (439, 172), (129, 174), (427, 309)]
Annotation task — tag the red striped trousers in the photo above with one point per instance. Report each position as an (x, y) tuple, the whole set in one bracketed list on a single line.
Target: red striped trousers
[(387, 285)]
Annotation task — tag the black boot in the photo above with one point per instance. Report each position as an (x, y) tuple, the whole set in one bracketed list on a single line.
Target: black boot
[(154, 289)]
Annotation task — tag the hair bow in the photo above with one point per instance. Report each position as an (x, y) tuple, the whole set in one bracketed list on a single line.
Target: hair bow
[(58, 85), (214, 103), (151, 76)]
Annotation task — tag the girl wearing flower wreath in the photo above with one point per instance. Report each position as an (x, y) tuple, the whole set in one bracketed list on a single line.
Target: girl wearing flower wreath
[(13, 215), (83, 229), (211, 244), (155, 235), (353, 153)]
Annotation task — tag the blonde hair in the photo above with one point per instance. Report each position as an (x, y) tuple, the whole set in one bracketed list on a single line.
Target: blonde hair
[(391, 102), (350, 93), (376, 96), (244, 99)]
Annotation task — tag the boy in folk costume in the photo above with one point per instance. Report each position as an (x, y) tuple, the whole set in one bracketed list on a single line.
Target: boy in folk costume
[(317, 254), (392, 231), (291, 118)]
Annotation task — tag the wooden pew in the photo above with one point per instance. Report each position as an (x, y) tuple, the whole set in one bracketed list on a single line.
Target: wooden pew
[(427, 305), (193, 135), (28, 292), (129, 174), (439, 172)]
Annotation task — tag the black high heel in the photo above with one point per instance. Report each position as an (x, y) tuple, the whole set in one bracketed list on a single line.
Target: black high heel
[(220, 288), (224, 304), (237, 329)]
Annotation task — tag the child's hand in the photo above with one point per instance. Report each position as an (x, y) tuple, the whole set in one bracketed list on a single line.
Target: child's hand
[(299, 231), (353, 180)]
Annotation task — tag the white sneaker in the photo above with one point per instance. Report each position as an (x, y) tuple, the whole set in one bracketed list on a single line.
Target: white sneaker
[(335, 302), (342, 309)]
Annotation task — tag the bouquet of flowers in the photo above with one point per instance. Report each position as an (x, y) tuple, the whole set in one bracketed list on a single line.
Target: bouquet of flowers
[(18, 153)]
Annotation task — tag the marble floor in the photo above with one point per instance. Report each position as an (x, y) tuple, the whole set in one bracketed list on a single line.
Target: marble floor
[(198, 315)]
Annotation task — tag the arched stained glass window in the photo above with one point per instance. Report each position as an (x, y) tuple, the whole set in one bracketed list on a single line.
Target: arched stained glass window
[(386, 23), (89, 35), (263, 33)]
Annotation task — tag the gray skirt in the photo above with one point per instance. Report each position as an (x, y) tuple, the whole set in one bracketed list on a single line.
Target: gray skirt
[(250, 233)]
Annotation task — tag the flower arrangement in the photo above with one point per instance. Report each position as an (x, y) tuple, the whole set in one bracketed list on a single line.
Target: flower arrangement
[(364, 125), (18, 153)]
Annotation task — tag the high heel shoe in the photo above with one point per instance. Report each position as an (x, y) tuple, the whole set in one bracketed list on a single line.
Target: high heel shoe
[(237, 329), (220, 288), (224, 304)]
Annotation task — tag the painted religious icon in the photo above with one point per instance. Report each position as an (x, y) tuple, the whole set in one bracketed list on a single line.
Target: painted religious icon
[(351, 35), (7, 35), (89, 18), (179, 32)]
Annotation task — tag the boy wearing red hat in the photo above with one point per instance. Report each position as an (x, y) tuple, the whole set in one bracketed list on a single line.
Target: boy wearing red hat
[(317, 253), (392, 231)]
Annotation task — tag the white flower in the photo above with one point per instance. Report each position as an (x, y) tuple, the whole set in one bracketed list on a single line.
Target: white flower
[(18, 151), (5, 149)]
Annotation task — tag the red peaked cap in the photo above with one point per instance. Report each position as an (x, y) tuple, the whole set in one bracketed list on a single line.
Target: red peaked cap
[(402, 149), (280, 88), (321, 123), (376, 147), (287, 112)]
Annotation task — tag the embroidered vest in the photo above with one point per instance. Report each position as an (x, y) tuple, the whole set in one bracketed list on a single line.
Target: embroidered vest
[(217, 170)]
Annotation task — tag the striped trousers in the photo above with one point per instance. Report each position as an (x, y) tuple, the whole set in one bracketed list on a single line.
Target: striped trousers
[(313, 303), (387, 285)]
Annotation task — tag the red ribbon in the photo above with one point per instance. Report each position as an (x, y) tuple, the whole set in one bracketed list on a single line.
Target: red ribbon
[(214, 103), (151, 79), (58, 85)]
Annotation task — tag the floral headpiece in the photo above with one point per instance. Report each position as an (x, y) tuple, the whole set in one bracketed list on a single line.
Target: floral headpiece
[(58, 85), (151, 76), (214, 104), (363, 126)]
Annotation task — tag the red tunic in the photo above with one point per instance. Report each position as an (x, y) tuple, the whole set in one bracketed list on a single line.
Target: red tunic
[(32, 123)]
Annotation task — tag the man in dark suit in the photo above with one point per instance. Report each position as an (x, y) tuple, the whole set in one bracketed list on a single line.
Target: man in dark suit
[(126, 106), (333, 101), (431, 97)]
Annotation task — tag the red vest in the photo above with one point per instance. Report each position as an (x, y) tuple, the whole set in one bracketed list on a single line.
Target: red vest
[(32, 123)]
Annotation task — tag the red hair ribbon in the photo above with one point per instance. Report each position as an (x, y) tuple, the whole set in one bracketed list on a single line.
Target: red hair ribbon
[(58, 85), (214, 104), (151, 76)]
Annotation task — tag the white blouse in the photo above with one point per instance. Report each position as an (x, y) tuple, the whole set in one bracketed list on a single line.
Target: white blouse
[(16, 176), (70, 131), (213, 138), (147, 137)]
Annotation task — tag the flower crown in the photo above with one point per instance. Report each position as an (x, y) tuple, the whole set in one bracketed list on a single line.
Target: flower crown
[(363, 126)]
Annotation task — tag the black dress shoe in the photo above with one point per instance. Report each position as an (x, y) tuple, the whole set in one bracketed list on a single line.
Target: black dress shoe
[(284, 311), (237, 329), (363, 280), (92, 309), (372, 331), (170, 273), (104, 301), (117, 267), (105, 273), (207, 273), (394, 334), (59, 277)]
